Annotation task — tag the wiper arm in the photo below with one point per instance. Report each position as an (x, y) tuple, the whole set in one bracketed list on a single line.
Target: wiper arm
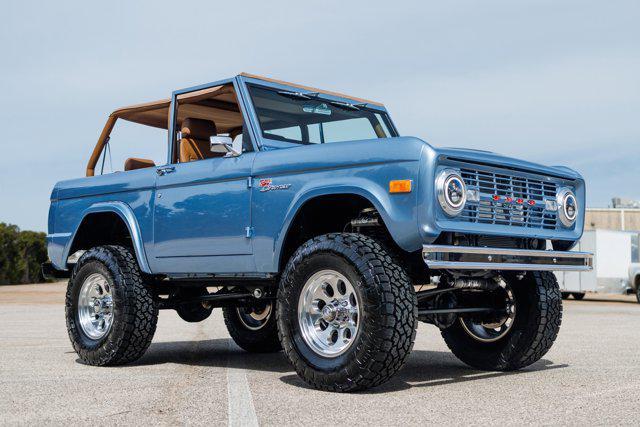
[(294, 95), (344, 105), (316, 95)]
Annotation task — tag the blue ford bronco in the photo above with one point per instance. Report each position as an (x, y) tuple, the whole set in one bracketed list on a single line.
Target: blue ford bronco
[(319, 231)]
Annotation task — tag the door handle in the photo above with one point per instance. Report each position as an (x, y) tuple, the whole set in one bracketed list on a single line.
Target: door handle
[(165, 170)]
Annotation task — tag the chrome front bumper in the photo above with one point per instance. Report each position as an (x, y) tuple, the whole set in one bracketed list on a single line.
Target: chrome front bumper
[(478, 258)]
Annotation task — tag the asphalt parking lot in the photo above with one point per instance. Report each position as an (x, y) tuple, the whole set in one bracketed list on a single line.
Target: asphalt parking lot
[(195, 374)]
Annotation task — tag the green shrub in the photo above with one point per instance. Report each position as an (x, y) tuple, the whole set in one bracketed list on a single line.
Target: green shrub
[(21, 254)]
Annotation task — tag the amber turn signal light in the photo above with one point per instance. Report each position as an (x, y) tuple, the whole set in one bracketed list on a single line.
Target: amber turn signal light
[(400, 186)]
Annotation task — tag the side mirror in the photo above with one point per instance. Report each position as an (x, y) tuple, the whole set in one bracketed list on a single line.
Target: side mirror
[(226, 142)]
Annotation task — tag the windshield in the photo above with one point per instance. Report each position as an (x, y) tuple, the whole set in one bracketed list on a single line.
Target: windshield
[(311, 119)]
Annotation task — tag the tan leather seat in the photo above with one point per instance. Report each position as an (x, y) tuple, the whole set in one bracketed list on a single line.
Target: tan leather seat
[(133, 163), (195, 143)]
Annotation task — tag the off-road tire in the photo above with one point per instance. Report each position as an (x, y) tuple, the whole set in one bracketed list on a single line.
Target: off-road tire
[(135, 311), (193, 312), (638, 293), (577, 295), (263, 340), (388, 313), (566, 295), (536, 325)]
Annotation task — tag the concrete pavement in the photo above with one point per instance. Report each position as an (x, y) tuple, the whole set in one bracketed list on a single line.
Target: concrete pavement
[(195, 374)]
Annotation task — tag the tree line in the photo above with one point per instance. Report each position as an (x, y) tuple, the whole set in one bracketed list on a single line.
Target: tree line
[(21, 254)]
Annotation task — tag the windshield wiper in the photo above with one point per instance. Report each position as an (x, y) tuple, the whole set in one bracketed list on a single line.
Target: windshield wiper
[(340, 104), (294, 95), (344, 105), (316, 95)]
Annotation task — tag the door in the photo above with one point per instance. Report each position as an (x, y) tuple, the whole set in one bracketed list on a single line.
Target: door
[(201, 216), (202, 209)]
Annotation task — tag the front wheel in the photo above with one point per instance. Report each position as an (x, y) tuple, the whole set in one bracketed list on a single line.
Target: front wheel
[(347, 313), (522, 336)]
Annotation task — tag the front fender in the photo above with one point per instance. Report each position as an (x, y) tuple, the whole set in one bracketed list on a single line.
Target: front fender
[(396, 210), (125, 212)]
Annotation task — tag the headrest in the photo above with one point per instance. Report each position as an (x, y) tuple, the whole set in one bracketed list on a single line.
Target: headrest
[(198, 128)]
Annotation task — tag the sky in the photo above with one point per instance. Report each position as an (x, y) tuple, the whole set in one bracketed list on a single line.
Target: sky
[(556, 82)]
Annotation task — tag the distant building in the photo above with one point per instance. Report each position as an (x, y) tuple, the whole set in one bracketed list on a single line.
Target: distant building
[(612, 219), (623, 216), (619, 202), (613, 235)]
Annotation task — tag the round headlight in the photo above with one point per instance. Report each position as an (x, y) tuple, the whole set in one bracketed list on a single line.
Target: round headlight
[(567, 207), (452, 193)]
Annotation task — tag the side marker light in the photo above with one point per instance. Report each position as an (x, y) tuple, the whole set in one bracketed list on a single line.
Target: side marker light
[(400, 186)]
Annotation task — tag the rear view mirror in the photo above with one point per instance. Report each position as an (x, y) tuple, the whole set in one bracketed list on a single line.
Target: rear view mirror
[(224, 141)]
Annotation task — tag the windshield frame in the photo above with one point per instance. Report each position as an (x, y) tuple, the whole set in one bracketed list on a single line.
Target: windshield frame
[(264, 143)]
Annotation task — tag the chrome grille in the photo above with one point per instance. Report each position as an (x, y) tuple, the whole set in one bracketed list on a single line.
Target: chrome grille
[(526, 209)]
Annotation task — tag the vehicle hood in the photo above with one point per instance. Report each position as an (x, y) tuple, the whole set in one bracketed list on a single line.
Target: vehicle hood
[(494, 159)]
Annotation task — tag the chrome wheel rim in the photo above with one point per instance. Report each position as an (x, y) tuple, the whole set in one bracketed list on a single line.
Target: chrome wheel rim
[(255, 318), (493, 331), (328, 313), (95, 306)]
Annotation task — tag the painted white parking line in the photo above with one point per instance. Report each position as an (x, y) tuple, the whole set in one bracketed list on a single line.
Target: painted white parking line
[(241, 409)]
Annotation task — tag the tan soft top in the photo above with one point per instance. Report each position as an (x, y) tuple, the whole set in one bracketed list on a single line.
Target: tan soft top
[(156, 113)]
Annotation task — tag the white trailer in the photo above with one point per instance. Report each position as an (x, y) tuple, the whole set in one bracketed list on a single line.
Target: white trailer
[(612, 252)]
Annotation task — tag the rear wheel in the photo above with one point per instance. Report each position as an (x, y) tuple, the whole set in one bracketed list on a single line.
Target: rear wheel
[(578, 295), (519, 338), (111, 314), (347, 313), (254, 328)]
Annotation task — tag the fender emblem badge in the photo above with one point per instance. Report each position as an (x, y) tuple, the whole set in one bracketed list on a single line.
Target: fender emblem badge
[(268, 185)]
